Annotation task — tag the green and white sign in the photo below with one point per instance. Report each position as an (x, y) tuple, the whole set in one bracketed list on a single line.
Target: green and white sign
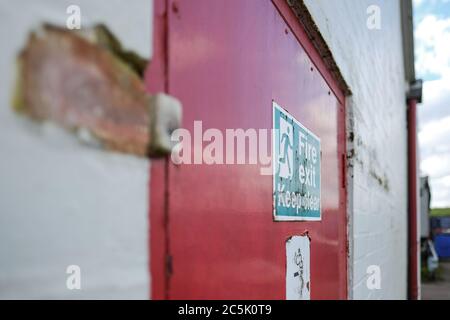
[(296, 170)]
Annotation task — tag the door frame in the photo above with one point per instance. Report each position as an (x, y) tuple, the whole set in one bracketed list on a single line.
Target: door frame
[(156, 79)]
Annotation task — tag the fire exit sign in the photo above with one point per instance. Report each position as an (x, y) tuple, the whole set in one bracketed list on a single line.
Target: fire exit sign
[(296, 169)]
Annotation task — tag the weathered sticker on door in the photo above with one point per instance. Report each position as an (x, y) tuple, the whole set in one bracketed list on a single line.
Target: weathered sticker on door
[(296, 169), (298, 283)]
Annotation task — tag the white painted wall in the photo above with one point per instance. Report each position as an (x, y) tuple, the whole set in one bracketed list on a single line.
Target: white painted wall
[(371, 62), (63, 203), (424, 205)]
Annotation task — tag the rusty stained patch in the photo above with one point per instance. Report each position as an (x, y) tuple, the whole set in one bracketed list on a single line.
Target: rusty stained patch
[(78, 83), (353, 157), (383, 181)]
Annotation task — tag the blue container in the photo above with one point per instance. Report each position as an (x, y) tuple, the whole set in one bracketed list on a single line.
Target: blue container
[(442, 245), (445, 222)]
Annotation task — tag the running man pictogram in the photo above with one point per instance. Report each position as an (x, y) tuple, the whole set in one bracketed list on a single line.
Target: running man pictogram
[(287, 150)]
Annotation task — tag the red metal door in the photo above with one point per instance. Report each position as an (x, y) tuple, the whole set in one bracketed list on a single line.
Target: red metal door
[(212, 230)]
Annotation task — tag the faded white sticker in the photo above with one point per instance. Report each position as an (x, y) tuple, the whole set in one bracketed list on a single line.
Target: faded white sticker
[(298, 284)]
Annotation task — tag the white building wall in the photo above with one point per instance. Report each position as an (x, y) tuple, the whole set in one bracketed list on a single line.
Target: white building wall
[(424, 205), (63, 203), (371, 62)]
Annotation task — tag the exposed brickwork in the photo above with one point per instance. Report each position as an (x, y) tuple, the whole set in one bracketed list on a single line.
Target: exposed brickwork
[(78, 84)]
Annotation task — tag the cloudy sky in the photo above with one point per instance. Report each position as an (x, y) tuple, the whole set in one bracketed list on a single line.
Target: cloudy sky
[(432, 41)]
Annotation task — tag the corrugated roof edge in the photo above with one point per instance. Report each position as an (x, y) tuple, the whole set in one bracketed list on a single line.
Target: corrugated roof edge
[(408, 39)]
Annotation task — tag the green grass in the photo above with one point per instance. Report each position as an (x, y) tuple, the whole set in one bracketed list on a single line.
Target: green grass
[(440, 212)]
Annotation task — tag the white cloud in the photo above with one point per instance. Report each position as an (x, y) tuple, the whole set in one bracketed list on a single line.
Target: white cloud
[(436, 101), (434, 148), (434, 140), (432, 38), (440, 191), (435, 154), (436, 166), (434, 130)]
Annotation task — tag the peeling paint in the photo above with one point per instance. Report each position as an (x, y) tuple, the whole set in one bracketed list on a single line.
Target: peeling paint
[(87, 83)]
